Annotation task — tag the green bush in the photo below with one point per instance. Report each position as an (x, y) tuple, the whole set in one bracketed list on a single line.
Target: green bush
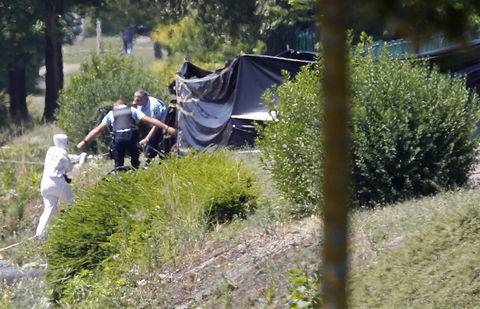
[(291, 146), (303, 289), (411, 132), (138, 220), (90, 93)]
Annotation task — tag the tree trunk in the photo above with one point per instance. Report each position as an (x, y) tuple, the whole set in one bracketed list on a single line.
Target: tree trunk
[(51, 61), (17, 89), (59, 43), (60, 77), (337, 167)]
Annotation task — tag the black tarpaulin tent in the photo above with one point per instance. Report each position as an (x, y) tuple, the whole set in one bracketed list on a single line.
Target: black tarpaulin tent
[(219, 108), (458, 60)]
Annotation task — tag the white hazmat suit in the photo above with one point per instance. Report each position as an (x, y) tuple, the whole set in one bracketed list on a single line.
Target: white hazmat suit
[(54, 187)]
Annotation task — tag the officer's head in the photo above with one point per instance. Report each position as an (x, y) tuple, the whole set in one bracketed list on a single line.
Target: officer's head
[(140, 97), (119, 104)]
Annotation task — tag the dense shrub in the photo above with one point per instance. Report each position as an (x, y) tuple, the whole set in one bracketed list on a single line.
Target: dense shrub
[(291, 146), (411, 132), (90, 93), (135, 221)]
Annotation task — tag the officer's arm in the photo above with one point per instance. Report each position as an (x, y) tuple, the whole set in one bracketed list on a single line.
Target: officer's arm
[(157, 112), (149, 136), (159, 124), (91, 135)]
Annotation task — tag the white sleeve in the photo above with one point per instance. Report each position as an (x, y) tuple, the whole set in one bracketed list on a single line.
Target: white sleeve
[(68, 164)]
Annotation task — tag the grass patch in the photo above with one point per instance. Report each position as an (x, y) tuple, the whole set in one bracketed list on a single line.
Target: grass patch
[(137, 221), (24, 293), (383, 225), (437, 267), (423, 254), (77, 53), (21, 166)]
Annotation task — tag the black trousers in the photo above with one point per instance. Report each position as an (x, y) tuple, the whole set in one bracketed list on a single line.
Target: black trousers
[(154, 145), (126, 143)]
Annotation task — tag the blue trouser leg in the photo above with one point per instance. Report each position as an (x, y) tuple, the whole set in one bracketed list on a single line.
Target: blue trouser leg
[(125, 143), (154, 145), (118, 152), (134, 153)]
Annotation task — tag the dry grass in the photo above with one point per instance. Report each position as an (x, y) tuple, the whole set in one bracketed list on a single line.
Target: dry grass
[(428, 256), (142, 47)]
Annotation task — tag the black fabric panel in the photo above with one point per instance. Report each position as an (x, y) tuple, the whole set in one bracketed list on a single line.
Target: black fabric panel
[(189, 70), (214, 87), (464, 60), (202, 123), (207, 104), (257, 74), (299, 55), (243, 133)]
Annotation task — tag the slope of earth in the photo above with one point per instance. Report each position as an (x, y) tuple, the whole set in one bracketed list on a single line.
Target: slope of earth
[(252, 268)]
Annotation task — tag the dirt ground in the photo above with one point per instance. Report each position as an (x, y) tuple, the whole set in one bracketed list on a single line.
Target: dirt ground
[(251, 270)]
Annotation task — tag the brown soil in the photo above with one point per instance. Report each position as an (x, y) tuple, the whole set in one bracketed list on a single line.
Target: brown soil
[(250, 270)]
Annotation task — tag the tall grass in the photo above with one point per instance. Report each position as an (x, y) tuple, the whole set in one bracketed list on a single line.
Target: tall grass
[(417, 254), (137, 221), (21, 166), (436, 267)]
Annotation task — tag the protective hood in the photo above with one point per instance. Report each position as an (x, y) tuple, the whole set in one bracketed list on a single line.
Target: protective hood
[(60, 140)]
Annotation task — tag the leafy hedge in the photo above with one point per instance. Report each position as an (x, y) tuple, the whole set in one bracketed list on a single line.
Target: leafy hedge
[(136, 221), (411, 132), (90, 93)]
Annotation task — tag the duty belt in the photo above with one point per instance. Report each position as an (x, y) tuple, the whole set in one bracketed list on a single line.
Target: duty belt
[(124, 130)]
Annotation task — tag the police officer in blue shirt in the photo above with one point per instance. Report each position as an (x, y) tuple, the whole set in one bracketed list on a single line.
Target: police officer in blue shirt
[(123, 120), (157, 109)]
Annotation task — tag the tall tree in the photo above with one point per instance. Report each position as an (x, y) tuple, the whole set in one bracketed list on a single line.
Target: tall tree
[(52, 58), (20, 37), (276, 13), (17, 87), (54, 37), (121, 13), (236, 19)]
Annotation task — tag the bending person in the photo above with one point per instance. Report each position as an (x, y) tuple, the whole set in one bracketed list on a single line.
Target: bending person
[(54, 186), (152, 137), (123, 120)]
